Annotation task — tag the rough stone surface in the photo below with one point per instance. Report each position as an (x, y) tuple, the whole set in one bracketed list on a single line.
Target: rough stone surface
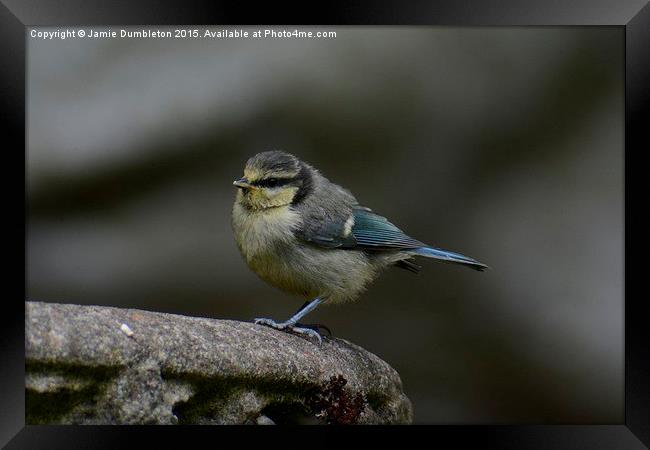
[(84, 366)]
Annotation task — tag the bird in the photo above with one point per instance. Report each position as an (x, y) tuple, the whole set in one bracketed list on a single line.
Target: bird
[(310, 237)]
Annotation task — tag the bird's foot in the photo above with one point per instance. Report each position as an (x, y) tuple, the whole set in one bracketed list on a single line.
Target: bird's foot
[(291, 328)]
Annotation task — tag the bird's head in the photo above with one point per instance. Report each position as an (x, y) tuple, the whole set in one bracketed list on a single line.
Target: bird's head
[(272, 179)]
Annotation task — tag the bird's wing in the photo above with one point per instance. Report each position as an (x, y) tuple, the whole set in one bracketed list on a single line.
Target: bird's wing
[(355, 227), (374, 232), (328, 229)]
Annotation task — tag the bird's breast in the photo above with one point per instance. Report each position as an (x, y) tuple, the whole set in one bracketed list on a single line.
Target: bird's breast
[(259, 233)]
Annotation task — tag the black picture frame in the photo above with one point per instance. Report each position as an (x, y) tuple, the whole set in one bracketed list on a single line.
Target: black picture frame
[(632, 15)]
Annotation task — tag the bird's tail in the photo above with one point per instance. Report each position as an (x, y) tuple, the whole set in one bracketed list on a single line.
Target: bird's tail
[(449, 257)]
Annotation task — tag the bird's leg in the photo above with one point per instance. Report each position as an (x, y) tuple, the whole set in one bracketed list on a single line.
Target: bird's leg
[(290, 325), (303, 305), (313, 326)]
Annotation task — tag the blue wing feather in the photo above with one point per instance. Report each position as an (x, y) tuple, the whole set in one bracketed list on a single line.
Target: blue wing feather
[(373, 231), (444, 255)]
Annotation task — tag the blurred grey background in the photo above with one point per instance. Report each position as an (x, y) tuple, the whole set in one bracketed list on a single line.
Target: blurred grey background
[(505, 144)]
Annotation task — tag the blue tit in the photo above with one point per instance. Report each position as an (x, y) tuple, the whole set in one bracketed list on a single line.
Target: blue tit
[(307, 236)]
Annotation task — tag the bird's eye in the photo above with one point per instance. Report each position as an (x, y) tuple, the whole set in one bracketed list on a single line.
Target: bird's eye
[(273, 182)]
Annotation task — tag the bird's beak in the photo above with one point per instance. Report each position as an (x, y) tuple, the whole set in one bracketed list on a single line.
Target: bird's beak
[(242, 183)]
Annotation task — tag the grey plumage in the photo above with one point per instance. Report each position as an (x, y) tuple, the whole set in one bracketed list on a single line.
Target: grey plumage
[(308, 236)]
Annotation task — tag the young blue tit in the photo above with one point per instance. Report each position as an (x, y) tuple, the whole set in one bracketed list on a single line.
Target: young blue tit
[(308, 236)]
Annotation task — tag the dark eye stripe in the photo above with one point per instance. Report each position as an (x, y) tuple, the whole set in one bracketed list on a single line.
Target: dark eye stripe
[(272, 182)]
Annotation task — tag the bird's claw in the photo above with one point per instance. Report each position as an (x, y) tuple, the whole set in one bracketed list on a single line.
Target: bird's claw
[(286, 326), (306, 332), (272, 323), (316, 327)]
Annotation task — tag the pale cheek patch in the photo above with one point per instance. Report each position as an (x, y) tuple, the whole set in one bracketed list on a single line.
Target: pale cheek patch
[(264, 198), (283, 197)]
